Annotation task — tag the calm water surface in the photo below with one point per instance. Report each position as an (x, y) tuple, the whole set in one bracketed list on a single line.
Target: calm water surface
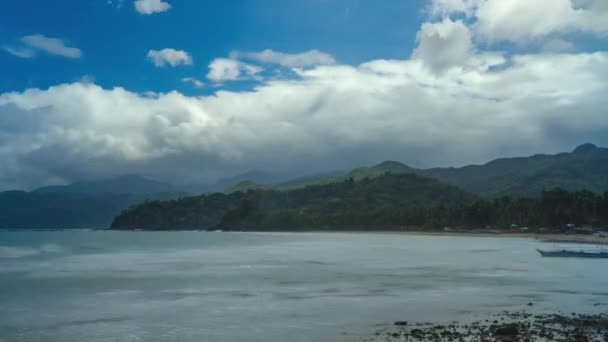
[(190, 286)]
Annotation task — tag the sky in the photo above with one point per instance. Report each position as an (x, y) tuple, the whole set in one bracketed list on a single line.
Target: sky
[(191, 91)]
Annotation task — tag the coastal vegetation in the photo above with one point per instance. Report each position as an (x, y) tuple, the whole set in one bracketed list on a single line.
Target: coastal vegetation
[(387, 202)]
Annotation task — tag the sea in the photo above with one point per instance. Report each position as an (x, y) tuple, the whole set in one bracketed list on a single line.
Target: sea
[(94, 285)]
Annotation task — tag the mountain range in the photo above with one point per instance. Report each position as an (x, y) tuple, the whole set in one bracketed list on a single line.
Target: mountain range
[(80, 205), (128, 184), (94, 204), (585, 168)]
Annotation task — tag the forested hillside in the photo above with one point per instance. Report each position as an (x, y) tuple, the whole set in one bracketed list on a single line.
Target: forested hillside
[(390, 201), (343, 202), (585, 168)]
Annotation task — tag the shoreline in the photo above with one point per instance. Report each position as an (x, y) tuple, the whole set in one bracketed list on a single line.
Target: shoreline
[(544, 237)]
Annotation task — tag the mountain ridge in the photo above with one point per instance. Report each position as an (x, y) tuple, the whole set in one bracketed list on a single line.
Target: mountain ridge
[(125, 184), (92, 204), (585, 168), (80, 204)]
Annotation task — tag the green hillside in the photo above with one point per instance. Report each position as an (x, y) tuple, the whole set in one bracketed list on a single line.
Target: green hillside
[(585, 168), (341, 203)]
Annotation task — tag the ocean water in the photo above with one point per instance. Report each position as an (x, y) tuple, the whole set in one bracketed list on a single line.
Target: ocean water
[(193, 286)]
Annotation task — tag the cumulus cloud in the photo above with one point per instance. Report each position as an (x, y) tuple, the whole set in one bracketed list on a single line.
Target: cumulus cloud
[(382, 109), (291, 60), (446, 105), (227, 69), (172, 57), (196, 83), (444, 44), (147, 7), (41, 43), (523, 20)]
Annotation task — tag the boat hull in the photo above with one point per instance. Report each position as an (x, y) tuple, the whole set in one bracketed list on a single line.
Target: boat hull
[(573, 254)]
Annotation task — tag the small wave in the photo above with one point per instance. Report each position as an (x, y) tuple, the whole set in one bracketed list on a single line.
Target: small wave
[(315, 262), (568, 292), (242, 294), (477, 251), (90, 248), (331, 290), (51, 248), (17, 252), (11, 252), (83, 322)]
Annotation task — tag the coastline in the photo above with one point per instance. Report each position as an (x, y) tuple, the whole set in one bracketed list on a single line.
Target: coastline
[(551, 237), (545, 237)]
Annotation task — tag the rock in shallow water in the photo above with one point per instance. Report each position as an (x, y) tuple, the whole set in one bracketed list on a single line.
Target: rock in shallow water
[(514, 326)]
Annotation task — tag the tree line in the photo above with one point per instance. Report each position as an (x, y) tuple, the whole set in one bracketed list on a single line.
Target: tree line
[(392, 201)]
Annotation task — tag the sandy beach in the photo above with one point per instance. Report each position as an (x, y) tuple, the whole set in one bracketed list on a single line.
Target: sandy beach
[(548, 237)]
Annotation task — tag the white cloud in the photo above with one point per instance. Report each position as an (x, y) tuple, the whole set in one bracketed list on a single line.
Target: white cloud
[(53, 46), (382, 109), (147, 7), (20, 52), (196, 83), (226, 69), (172, 57), (523, 20), (291, 60), (443, 45)]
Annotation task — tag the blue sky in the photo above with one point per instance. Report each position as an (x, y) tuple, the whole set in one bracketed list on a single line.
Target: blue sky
[(114, 40), (192, 91)]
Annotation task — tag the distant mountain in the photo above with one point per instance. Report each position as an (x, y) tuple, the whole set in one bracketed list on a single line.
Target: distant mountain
[(318, 179), (348, 203), (378, 170), (245, 186), (585, 168), (327, 178), (128, 184), (253, 178), (39, 210), (79, 205)]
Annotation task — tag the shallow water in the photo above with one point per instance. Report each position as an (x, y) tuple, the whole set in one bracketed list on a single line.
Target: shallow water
[(194, 286)]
